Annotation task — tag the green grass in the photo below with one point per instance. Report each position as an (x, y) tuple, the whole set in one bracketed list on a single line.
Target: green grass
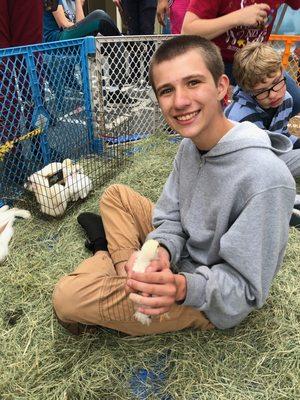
[(260, 359)]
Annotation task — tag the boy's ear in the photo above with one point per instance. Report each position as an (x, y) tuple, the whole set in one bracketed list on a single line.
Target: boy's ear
[(223, 86)]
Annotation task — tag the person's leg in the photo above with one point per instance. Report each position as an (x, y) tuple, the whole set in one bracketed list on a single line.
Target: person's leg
[(147, 13), (127, 220), (96, 22), (94, 294), (131, 20), (294, 91), (167, 28), (143, 24), (126, 216), (292, 160), (131, 15), (296, 145)]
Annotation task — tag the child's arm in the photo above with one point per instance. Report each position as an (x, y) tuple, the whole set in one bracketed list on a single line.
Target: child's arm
[(211, 28), (79, 10), (60, 18), (162, 10)]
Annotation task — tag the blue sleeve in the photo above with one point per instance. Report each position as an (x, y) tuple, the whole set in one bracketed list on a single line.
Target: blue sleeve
[(239, 113), (235, 112)]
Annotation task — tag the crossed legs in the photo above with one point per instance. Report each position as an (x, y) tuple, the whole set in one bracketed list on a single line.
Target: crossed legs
[(94, 293)]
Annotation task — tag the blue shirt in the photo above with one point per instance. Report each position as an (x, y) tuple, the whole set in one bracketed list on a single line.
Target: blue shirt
[(51, 30)]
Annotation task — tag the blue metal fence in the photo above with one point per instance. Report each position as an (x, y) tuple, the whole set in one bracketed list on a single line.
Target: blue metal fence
[(45, 110), (88, 100)]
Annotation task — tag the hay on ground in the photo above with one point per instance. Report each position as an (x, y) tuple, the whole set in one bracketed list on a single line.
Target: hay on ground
[(260, 359)]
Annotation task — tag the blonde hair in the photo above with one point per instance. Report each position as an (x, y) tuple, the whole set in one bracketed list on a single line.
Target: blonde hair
[(254, 63)]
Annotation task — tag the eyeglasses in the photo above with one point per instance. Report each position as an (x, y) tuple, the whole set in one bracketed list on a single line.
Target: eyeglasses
[(266, 93)]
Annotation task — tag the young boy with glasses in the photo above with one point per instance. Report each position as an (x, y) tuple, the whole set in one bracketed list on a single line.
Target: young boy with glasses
[(261, 96)]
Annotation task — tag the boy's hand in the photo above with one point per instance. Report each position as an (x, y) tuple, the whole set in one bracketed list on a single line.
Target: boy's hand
[(254, 15), (159, 290), (68, 24), (162, 261)]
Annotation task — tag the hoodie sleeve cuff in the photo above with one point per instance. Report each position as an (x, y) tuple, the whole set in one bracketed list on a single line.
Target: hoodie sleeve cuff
[(195, 290)]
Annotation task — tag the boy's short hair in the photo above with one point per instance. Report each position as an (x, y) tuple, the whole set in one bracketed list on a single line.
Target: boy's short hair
[(180, 45), (254, 63)]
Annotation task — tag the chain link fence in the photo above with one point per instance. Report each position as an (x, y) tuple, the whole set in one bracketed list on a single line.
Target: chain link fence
[(47, 143), (287, 45), (121, 91), (71, 113), (120, 88)]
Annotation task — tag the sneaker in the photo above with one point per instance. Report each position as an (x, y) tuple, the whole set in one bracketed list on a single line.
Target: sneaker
[(94, 230), (76, 328)]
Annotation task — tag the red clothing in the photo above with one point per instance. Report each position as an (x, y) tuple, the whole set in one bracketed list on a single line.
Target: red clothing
[(230, 41), (21, 22)]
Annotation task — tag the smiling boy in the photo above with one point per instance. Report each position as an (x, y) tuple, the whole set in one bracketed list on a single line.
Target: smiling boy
[(222, 219), (261, 96)]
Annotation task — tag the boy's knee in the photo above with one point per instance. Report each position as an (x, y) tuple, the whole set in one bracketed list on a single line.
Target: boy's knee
[(103, 17), (112, 193), (64, 299), (98, 14)]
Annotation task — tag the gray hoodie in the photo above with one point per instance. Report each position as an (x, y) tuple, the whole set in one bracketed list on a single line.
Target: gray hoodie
[(224, 216)]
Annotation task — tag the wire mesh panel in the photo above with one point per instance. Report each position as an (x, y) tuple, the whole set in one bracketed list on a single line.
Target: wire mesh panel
[(286, 45), (120, 88), (47, 134)]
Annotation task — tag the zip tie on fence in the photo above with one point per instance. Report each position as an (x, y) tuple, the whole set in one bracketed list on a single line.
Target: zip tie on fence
[(7, 146)]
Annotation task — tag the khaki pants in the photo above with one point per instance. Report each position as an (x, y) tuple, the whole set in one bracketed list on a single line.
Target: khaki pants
[(94, 294)]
